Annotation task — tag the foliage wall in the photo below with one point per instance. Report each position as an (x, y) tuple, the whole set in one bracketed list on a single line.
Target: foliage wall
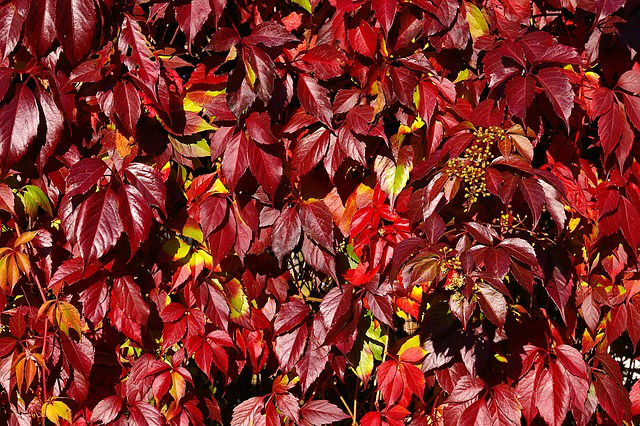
[(301, 212)]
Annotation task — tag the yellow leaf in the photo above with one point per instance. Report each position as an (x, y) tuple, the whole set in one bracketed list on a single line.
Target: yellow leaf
[(178, 386), (477, 23), (55, 410)]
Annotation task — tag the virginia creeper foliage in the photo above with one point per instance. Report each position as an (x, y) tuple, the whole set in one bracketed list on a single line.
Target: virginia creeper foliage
[(306, 212)]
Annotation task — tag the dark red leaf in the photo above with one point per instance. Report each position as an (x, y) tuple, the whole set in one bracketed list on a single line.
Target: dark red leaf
[(266, 166), (128, 312), (135, 214), (558, 89), (19, 121), (191, 16), (314, 99), (99, 225), (127, 105), (77, 29), (317, 223)]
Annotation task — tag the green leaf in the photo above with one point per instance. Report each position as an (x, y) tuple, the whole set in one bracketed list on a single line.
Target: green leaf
[(33, 197)]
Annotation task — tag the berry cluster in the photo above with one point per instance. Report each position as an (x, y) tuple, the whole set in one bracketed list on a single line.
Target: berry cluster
[(471, 168)]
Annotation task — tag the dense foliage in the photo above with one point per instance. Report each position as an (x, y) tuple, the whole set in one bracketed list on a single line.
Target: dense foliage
[(303, 212)]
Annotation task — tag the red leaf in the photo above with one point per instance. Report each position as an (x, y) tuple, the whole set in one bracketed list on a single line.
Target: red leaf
[(259, 128), (107, 410), (572, 360), (476, 414), (191, 17), (319, 412), (247, 413), (76, 31), (319, 259), (466, 389), (127, 105), (289, 347), (314, 99), (385, 12), (129, 311), (148, 182), (10, 26), (95, 302), (145, 414), (558, 89), (290, 315), (534, 196), (54, 124), (634, 396), (141, 59), (553, 396), (363, 39), (40, 25), (135, 214), (288, 405), (629, 219), (84, 174), (520, 91), (309, 151), (236, 159), (213, 212), (19, 121), (270, 34), (492, 304), (324, 61), (613, 397), (286, 233), (317, 223), (266, 167), (99, 225)]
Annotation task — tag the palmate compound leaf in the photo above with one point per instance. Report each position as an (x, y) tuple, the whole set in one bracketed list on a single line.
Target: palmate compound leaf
[(98, 225), (18, 127)]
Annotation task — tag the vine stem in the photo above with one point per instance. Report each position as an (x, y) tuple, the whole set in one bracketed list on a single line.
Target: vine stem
[(36, 280), (353, 417)]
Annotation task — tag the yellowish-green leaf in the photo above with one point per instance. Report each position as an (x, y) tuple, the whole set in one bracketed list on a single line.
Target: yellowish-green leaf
[(393, 177), (305, 4), (32, 197), (68, 317)]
